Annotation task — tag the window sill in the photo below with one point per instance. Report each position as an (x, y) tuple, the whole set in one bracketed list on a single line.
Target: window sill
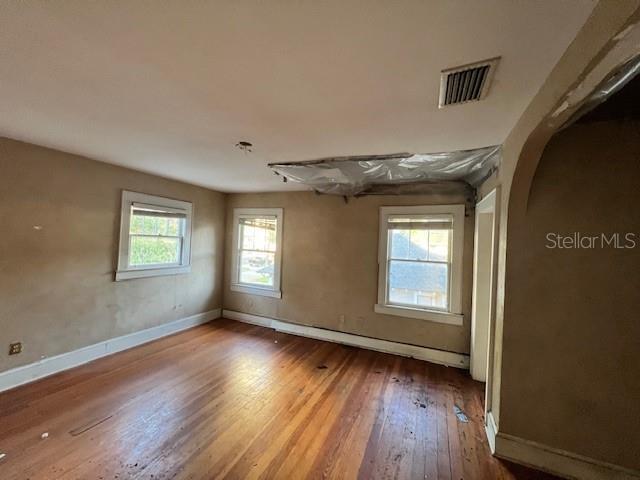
[(265, 292), (429, 315), (151, 272)]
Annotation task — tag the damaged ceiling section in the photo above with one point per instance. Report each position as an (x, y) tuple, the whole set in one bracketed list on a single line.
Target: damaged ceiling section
[(606, 89), (439, 173), (398, 173)]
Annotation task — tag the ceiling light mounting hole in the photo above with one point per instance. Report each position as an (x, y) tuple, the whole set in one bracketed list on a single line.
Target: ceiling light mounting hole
[(244, 146)]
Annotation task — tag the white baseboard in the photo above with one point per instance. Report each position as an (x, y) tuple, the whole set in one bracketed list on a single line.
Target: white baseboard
[(492, 430), (58, 363), (558, 462), (421, 353)]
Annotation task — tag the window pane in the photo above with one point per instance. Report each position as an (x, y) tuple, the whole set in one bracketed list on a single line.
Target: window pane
[(419, 284), (257, 268), (156, 225), (258, 234), (430, 245), (439, 245), (409, 244), (154, 250), (137, 224)]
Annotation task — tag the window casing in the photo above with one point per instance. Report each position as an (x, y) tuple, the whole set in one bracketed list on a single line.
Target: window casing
[(155, 236), (420, 262), (257, 251)]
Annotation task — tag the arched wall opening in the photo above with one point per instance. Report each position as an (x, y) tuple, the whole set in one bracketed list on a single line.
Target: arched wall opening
[(521, 431), (572, 337)]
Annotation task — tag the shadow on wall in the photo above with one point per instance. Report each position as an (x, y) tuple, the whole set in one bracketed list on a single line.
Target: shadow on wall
[(572, 335)]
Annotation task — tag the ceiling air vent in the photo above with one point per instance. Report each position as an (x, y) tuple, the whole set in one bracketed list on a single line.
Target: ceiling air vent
[(467, 83)]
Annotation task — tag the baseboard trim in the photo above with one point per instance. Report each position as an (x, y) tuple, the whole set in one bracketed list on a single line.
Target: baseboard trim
[(58, 363), (433, 355), (558, 462), (491, 430)]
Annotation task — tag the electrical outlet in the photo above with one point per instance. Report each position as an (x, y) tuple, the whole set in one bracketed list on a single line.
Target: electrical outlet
[(15, 348)]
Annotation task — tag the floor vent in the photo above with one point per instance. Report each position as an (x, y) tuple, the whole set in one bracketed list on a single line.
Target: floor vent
[(468, 83)]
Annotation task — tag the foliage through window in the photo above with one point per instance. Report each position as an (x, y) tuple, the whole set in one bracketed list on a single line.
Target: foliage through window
[(257, 251), (256, 256), (155, 236)]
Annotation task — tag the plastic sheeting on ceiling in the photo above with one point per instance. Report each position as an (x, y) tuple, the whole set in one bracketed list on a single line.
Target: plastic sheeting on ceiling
[(614, 82), (435, 172), (360, 175)]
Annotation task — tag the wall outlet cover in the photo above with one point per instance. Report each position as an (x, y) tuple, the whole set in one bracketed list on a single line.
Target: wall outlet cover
[(15, 348)]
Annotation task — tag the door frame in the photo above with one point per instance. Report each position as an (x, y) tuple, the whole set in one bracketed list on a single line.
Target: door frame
[(490, 204)]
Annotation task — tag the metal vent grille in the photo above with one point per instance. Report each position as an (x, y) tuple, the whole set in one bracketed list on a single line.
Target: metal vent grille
[(467, 83)]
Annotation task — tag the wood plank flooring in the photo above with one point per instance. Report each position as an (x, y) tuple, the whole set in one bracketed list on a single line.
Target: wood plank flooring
[(230, 400)]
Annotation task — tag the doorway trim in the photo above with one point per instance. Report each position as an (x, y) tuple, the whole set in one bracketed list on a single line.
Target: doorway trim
[(483, 342)]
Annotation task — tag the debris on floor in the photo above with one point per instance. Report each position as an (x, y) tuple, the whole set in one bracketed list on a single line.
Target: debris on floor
[(418, 403), (44, 435), (460, 414), (321, 367), (2, 455)]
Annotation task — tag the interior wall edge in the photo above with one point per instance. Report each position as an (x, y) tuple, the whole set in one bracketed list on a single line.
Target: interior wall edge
[(491, 431), (526, 141), (557, 461), (330, 276), (441, 357), (62, 215), (58, 363), (108, 162)]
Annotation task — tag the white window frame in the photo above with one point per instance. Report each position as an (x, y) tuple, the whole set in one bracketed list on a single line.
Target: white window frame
[(126, 271), (454, 314), (236, 285)]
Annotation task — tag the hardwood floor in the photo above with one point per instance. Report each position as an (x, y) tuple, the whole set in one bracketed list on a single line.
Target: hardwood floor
[(229, 400)]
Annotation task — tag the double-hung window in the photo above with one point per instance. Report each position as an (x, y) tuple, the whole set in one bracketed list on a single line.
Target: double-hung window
[(420, 262), (257, 251), (155, 236)]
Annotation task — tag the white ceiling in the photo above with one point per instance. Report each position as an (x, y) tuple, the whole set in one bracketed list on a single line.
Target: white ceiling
[(169, 87)]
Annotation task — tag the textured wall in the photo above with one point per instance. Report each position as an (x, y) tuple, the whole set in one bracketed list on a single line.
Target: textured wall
[(329, 268), (572, 330), (56, 284)]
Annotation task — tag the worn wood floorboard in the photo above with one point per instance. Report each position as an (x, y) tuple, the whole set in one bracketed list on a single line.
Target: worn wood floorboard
[(229, 400)]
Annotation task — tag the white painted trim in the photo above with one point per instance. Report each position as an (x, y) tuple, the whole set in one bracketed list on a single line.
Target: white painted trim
[(457, 251), (558, 462), (126, 271), (64, 361), (420, 314), (151, 272), (433, 355), (482, 325), (249, 318), (491, 398), (239, 213), (491, 430), (265, 292)]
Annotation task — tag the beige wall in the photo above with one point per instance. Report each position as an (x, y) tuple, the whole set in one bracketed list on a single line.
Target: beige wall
[(570, 355), (329, 268), (597, 49), (56, 284)]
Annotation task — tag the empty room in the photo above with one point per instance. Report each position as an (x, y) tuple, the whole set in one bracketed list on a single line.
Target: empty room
[(341, 239)]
